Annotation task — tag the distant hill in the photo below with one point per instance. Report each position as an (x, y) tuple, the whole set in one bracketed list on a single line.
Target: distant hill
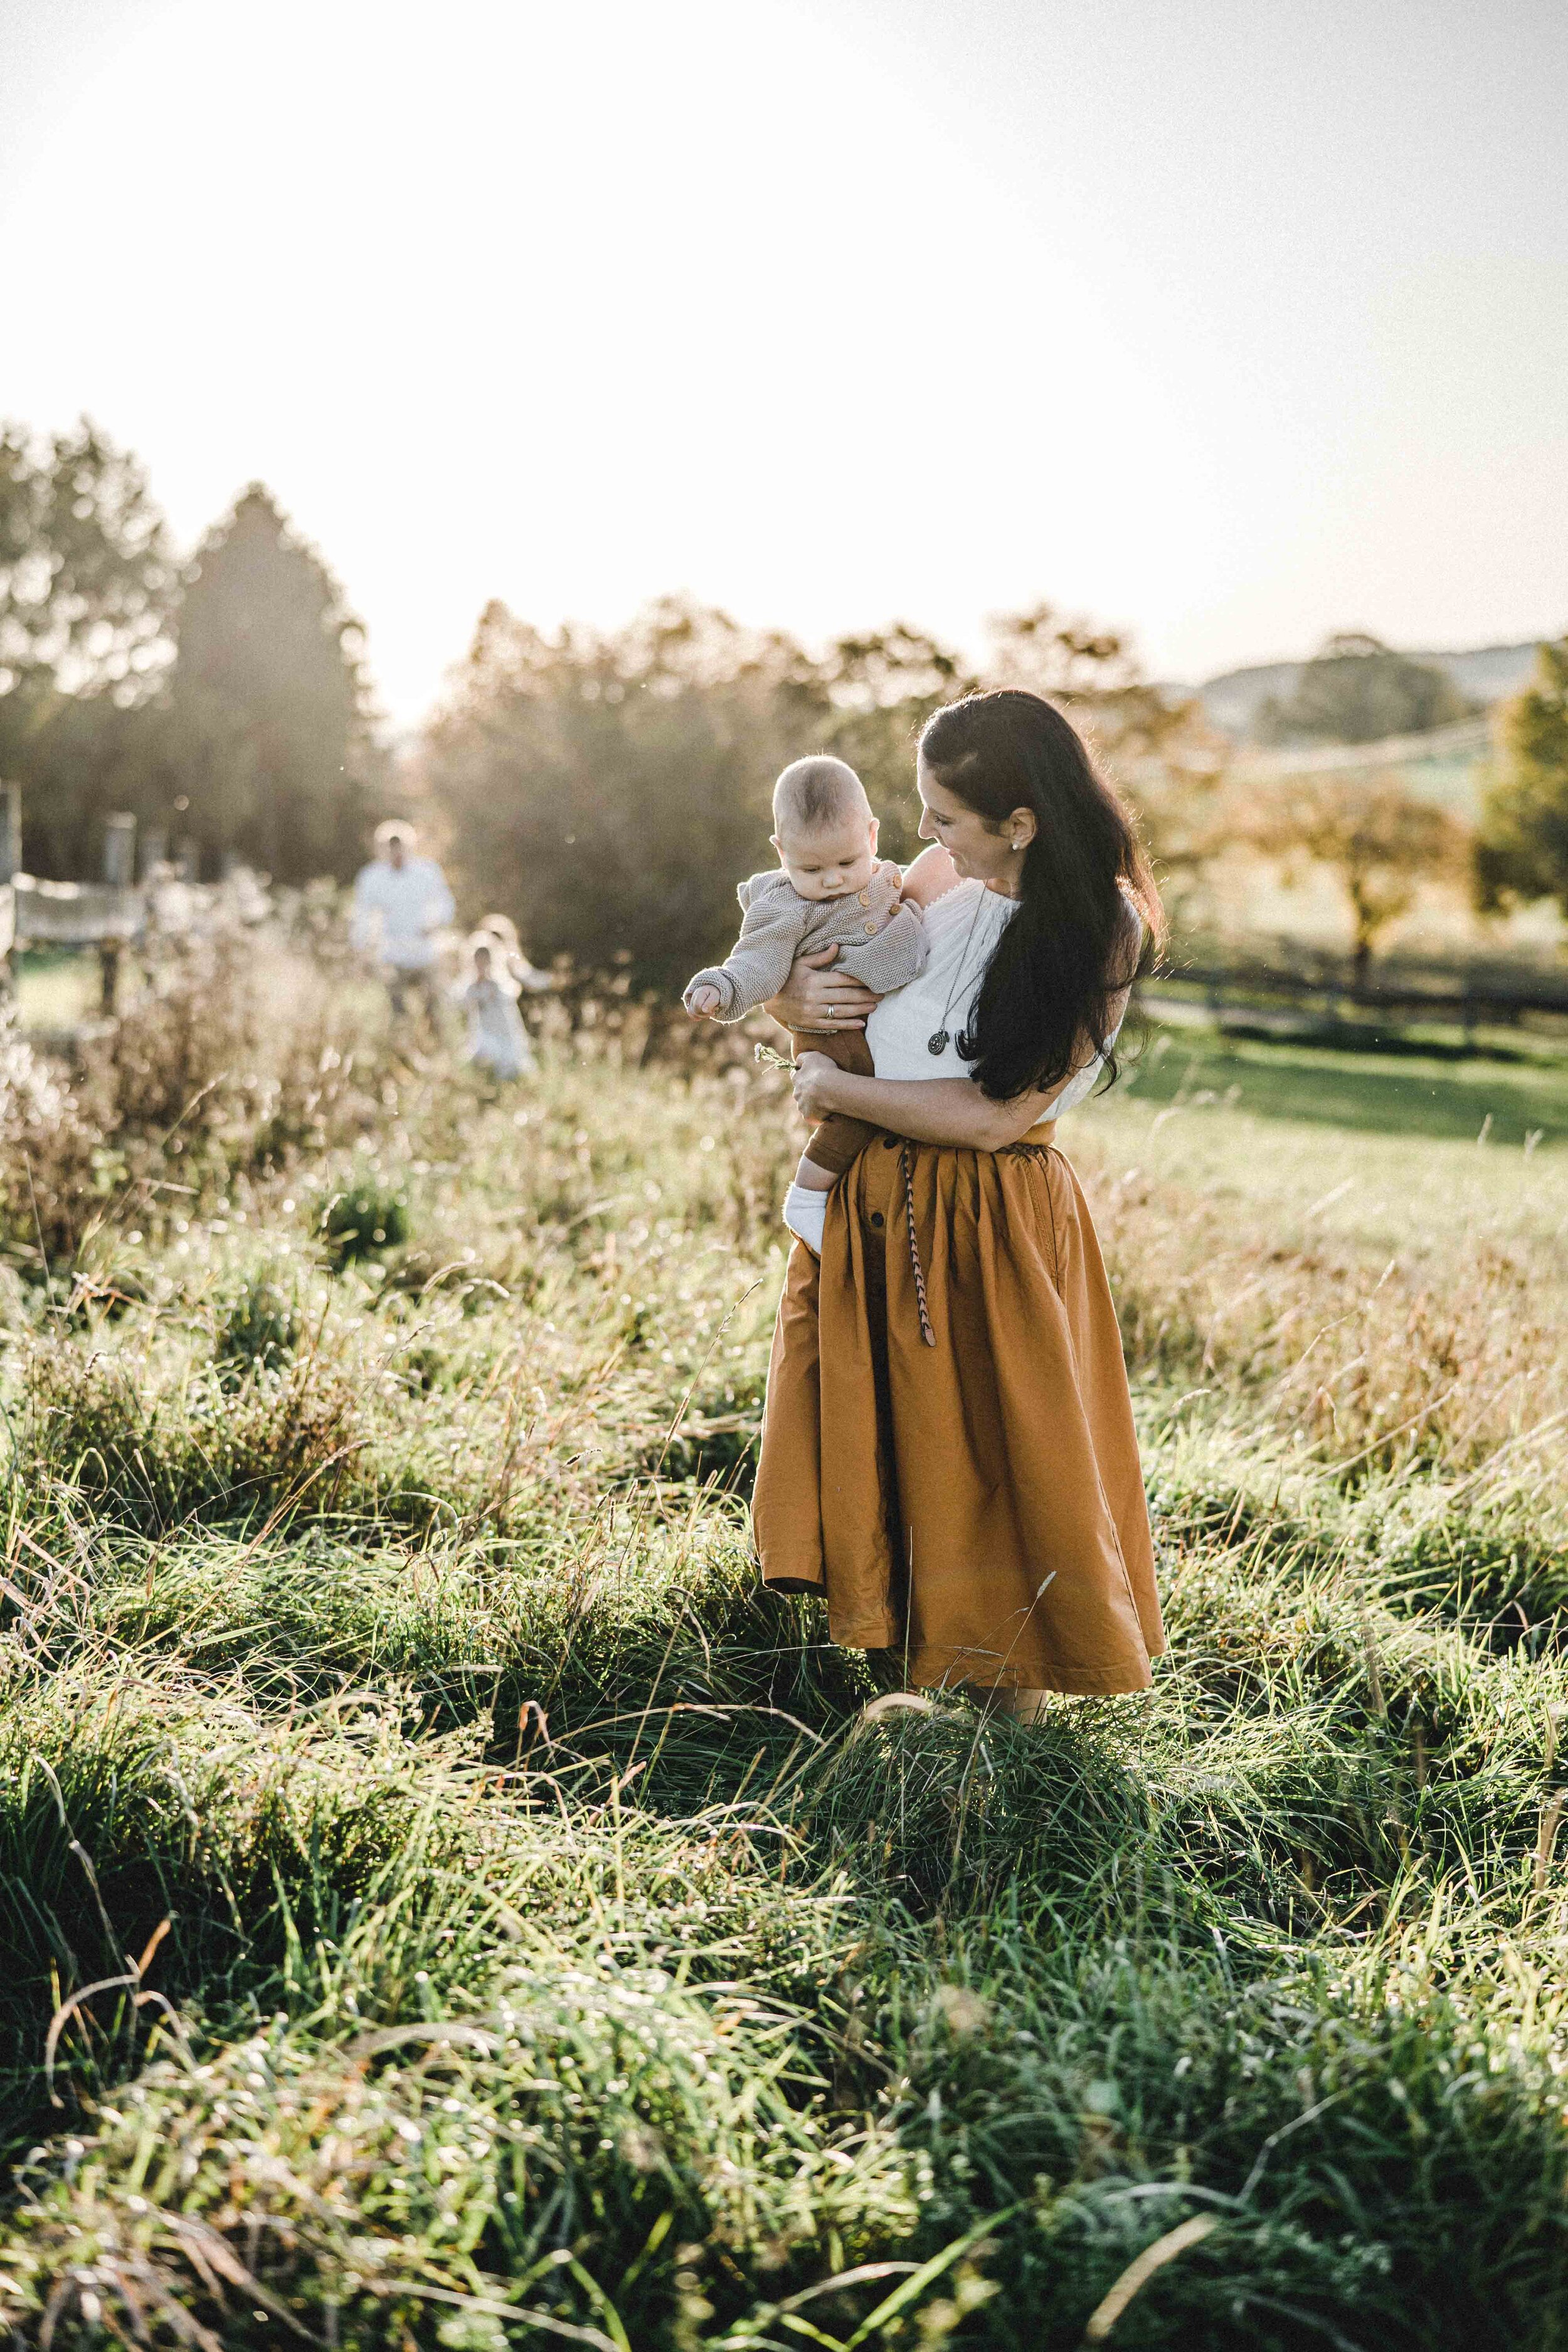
[(1485, 673)]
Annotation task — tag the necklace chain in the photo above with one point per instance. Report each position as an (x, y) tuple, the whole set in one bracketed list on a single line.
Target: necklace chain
[(941, 1037)]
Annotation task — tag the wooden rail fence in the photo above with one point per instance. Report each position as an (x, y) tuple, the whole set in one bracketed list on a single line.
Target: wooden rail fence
[(1288, 994), (132, 897)]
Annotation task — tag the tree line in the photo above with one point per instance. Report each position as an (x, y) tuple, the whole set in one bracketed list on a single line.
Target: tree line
[(616, 784), (1359, 690), (224, 701), (608, 788)]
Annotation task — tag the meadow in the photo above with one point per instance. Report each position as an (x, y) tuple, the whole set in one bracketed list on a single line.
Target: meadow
[(445, 1902)]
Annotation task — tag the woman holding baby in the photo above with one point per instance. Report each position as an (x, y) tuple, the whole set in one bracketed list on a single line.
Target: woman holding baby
[(948, 1449)]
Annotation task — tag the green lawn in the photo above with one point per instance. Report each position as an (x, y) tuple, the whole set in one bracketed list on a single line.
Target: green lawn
[(1383, 1093), (57, 987)]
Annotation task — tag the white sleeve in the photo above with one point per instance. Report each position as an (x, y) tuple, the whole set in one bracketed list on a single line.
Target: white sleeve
[(364, 919), (441, 907)]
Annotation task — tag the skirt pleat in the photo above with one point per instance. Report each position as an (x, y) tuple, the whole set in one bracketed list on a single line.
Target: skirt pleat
[(972, 1501)]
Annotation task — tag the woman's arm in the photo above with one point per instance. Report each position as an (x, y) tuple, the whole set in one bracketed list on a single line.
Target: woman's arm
[(927, 1110), (932, 876), (936, 1111)]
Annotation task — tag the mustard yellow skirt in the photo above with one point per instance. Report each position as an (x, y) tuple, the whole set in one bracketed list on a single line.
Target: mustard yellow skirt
[(948, 1450)]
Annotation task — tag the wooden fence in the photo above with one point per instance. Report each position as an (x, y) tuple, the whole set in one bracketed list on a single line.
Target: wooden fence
[(1301, 990), (118, 911)]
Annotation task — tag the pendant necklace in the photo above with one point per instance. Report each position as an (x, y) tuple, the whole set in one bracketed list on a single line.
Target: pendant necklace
[(941, 1037)]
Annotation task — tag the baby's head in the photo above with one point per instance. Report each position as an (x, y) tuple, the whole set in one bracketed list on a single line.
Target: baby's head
[(823, 830), (481, 955)]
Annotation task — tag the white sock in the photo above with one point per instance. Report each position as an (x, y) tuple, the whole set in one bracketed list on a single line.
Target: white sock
[(806, 1214)]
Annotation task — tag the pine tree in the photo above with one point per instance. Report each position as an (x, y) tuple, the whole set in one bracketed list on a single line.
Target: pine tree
[(268, 728)]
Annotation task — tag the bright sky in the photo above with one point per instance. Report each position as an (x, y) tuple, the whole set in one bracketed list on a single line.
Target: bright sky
[(1232, 322)]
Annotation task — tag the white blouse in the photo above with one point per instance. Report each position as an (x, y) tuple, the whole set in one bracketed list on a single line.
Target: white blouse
[(963, 928)]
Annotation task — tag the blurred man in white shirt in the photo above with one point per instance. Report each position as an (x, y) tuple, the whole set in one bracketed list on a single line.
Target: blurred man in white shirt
[(400, 904)]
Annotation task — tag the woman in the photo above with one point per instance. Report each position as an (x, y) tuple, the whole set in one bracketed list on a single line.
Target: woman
[(948, 1450)]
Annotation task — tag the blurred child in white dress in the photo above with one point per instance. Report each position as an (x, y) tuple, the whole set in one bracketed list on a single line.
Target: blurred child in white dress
[(506, 941), (497, 1042)]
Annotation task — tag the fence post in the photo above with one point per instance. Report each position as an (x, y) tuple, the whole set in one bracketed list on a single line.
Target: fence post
[(10, 866), (119, 851), (120, 874), (10, 832)]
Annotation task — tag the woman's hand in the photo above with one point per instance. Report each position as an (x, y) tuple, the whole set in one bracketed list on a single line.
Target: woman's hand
[(815, 1084), (815, 997)]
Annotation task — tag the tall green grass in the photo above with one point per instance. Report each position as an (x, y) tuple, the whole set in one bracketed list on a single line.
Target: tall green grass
[(443, 1900)]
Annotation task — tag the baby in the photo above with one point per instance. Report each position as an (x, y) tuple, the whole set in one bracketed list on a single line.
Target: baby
[(831, 890)]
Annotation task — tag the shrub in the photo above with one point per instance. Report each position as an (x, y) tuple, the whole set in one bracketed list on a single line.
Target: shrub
[(370, 1216), (55, 1166)]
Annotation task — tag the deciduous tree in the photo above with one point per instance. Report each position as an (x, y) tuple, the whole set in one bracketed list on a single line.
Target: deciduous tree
[(87, 584), (877, 691), (1522, 849), (609, 791), (1374, 836), (612, 789), (1159, 747), (1359, 690)]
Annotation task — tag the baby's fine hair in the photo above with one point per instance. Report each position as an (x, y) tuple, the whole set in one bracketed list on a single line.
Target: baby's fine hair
[(813, 792)]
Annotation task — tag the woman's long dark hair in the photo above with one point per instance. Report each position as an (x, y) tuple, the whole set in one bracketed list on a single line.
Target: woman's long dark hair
[(1071, 945)]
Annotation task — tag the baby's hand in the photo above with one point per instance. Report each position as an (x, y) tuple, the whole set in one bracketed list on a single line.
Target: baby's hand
[(702, 1002)]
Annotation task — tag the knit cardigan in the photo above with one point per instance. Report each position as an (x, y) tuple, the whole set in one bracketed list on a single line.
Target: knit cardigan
[(880, 942)]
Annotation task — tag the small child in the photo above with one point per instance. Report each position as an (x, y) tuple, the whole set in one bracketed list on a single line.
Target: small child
[(498, 1040), (831, 890), (507, 943)]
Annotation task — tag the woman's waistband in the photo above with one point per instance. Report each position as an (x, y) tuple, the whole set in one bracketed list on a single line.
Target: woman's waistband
[(1041, 1137)]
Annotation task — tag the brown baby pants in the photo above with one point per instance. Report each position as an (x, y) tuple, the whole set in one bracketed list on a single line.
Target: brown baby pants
[(839, 1141)]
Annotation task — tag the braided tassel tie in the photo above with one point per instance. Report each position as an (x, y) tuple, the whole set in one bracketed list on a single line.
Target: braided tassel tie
[(927, 1334)]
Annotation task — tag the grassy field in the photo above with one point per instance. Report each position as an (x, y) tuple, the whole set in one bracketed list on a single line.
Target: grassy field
[(57, 987), (444, 1903), (1447, 1097)]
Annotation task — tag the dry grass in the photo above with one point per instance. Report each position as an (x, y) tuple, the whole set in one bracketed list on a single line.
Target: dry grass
[(452, 1905), (1380, 1300)]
